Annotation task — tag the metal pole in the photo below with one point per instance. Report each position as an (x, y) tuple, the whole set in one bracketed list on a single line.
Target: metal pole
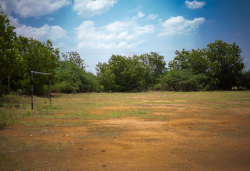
[(49, 89), (31, 82)]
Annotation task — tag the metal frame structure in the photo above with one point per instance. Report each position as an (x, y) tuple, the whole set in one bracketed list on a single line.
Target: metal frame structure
[(31, 85)]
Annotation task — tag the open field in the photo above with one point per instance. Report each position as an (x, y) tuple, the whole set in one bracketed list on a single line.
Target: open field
[(129, 131)]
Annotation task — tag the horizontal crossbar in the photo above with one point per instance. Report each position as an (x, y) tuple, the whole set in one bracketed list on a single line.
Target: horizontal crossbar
[(40, 73)]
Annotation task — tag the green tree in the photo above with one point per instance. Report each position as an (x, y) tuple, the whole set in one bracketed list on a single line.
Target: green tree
[(75, 58), (9, 57), (219, 61), (225, 64), (36, 56), (194, 61), (181, 61), (72, 77), (178, 80), (245, 80), (154, 67), (131, 73), (105, 76)]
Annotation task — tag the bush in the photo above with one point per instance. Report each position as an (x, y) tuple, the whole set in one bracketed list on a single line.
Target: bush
[(65, 87), (183, 81), (157, 87), (11, 98), (7, 118), (71, 79)]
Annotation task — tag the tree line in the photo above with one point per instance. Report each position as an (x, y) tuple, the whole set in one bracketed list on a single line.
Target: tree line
[(219, 66)]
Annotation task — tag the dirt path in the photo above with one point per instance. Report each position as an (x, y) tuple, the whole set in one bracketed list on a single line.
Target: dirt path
[(187, 139)]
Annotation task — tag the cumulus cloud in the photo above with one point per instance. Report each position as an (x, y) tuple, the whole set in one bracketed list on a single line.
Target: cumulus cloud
[(152, 16), (89, 8), (180, 25), (139, 15), (114, 35), (110, 45), (33, 8), (50, 18), (119, 26), (195, 4), (42, 33), (61, 45), (3, 5), (13, 21)]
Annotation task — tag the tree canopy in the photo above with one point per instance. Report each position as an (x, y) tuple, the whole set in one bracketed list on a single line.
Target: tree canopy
[(219, 61), (135, 73), (8, 49), (218, 66)]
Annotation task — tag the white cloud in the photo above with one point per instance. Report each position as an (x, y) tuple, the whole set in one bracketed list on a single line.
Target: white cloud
[(145, 29), (43, 33), (110, 45), (33, 8), (89, 8), (180, 25), (61, 45), (152, 16), (127, 30), (3, 5), (50, 18), (195, 4), (13, 21), (119, 26), (114, 35), (139, 15), (136, 9)]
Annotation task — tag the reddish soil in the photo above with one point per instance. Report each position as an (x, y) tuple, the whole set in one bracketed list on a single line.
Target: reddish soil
[(189, 138)]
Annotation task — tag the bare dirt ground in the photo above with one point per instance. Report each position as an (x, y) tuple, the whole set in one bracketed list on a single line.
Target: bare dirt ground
[(180, 135)]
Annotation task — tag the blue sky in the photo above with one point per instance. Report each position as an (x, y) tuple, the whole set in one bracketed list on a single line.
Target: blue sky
[(96, 29)]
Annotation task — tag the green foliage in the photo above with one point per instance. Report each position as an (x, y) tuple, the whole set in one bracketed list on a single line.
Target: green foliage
[(122, 74), (34, 56), (37, 56), (245, 80), (7, 118), (220, 62), (225, 64), (154, 67), (75, 58), (71, 77), (183, 81), (9, 59), (219, 66), (194, 61)]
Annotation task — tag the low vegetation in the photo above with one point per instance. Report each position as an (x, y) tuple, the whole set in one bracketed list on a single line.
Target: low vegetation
[(219, 66), (75, 123)]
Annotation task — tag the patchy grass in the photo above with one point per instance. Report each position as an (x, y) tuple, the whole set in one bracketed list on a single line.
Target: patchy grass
[(104, 132), (12, 153), (233, 134), (14, 107), (93, 116), (55, 124)]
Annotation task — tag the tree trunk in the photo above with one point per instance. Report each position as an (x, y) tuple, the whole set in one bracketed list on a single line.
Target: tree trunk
[(1, 86), (1, 89), (9, 84)]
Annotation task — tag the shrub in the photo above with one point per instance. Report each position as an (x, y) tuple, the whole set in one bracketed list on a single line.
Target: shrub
[(72, 78), (183, 81), (7, 118)]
